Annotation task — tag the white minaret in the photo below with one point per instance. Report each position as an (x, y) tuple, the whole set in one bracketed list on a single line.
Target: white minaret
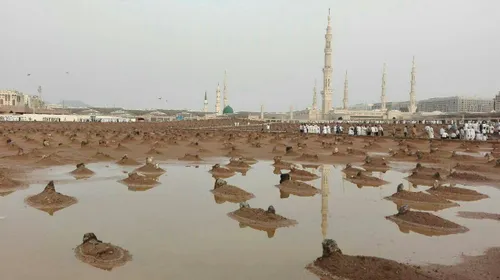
[(383, 99), (291, 112), (225, 103), (261, 111), (325, 189), (346, 92), (205, 103), (413, 98), (327, 72), (315, 98), (218, 109)]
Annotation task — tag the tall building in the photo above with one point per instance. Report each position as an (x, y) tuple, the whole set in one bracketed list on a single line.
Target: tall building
[(346, 93), (413, 99), (315, 98), (205, 103), (218, 108), (225, 102), (496, 102), (327, 72), (383, 99)]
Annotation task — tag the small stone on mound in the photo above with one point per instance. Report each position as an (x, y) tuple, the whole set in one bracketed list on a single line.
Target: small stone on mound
[(99, 254)]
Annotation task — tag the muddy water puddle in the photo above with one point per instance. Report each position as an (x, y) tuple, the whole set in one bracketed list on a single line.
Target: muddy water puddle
[(176, 230)]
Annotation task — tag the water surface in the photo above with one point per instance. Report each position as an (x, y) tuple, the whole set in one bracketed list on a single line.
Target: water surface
[(177, 231)]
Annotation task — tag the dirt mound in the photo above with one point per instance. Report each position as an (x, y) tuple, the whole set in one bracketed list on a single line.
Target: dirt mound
[(50, 160), (308, 157), (469, 167), (463, 176), (278, 163), (425, 223), (8, 184), (135, 179), (100, 156), (334, 265), (425, 179), (234, 153), (297, 188), (260, 217), (428, 170), (349, 170), (190, 157), (122, 148), (82, 171), (225, 192), (125, 160), (354, 152), (479, 215), (221, 172), (49, 200), (420, 200), (237, 164), (302, 175), (101, 255), (248, 160), (151, 169), (375, 164), (455, 193), (153, 152), (362, 180)]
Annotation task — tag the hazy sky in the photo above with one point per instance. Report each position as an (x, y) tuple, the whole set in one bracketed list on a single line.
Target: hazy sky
[(129, 52)]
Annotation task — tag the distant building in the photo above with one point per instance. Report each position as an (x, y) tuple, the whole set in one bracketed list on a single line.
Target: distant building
[(402, 106), (496, 102), (18, 102), (456, 104)]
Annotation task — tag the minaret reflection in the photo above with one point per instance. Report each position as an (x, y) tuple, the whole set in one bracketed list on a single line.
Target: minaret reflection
[(325, 189)]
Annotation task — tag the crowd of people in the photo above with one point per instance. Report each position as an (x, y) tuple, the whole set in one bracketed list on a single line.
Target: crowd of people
[(479, 131)]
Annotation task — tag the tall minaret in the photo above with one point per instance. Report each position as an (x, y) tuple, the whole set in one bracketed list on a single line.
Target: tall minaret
[(261, 111), (291, 112), (346, 92), (325, 189), (218, 109), (327, 72), (224, 104), (413, 98), (205, 103), (383, 100), (315, 98)]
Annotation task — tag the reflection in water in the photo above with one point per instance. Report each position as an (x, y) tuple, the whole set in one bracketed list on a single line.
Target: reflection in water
[(325, 189)]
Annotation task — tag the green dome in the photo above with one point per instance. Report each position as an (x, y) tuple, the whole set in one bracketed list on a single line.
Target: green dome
[(227, 110)]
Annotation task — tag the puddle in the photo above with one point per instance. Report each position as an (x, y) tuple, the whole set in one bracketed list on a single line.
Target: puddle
[(176, 230)]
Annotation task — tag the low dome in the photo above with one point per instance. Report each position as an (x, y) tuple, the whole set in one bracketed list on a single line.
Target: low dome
[(227, 110)]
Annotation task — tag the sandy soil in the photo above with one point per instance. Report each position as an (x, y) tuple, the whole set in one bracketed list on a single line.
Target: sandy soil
[(421, 201), (426, 223), (49, 200), (261, 218), (101, 255)]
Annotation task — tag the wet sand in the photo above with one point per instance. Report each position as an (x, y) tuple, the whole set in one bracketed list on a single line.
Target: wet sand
[(104, 205)]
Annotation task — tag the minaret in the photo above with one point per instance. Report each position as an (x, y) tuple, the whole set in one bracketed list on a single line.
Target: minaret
[(413, 98), (325, 189), (327, 72), (346, 92), (261, 111), (291, 112), (225, 103), (205, 103), (218, 109), (315, 98), (382, 95)]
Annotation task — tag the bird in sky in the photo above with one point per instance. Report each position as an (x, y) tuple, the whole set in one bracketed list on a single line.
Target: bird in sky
[(28, 74)]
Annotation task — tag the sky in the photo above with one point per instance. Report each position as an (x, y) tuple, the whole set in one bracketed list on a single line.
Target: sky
[(127, 53)]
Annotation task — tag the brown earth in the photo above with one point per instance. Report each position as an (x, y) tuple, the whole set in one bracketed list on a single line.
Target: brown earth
[(49, 200), (455, 193), (478, 215), (297, 188), (260, 217), (224, 192), (421, 201), (363, 180), (101, 255), (426, 223), (134, 179)]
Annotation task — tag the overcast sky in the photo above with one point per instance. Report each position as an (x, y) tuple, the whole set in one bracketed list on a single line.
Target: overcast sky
[(129, 52)]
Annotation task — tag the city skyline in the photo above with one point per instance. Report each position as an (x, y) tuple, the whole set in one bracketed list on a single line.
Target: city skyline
[(138, 51)]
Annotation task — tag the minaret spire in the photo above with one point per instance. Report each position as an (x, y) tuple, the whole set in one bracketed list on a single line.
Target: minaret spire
[(218, 109), (346, 92), (413, 99), (225, 103), (315, 98), (205, 103), (326, 105), (383, 99)]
